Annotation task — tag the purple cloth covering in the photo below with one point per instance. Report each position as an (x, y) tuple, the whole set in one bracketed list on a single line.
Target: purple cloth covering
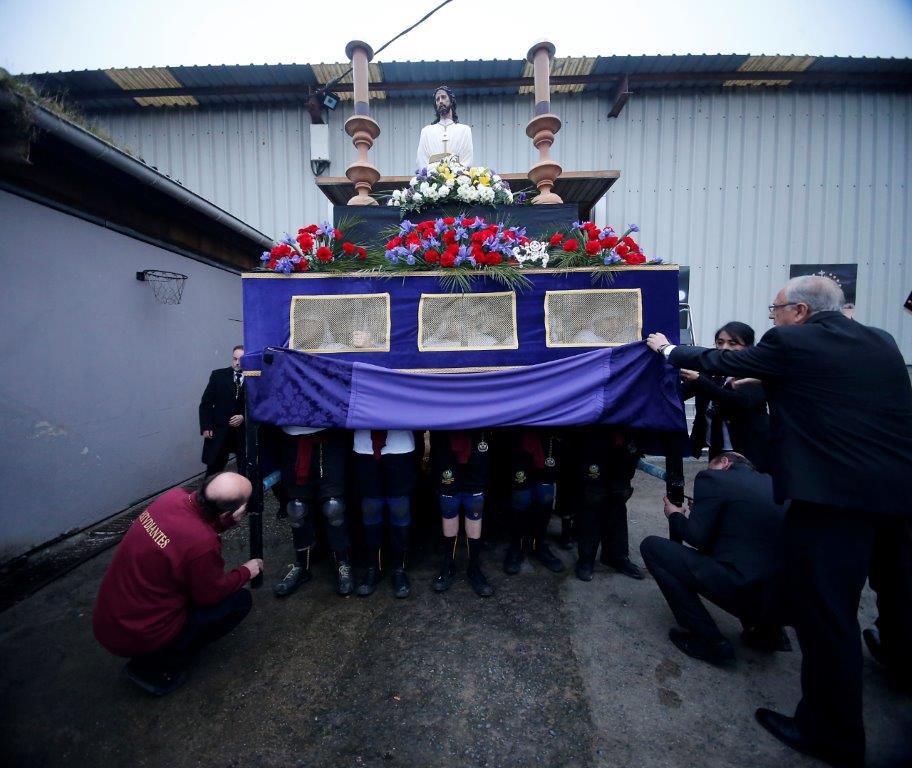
[(625, 386)]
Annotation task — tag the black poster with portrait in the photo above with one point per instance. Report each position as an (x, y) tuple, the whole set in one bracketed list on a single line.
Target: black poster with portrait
[(844, 274)]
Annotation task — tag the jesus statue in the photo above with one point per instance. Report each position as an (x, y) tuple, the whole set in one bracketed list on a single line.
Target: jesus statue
[(446, 135)]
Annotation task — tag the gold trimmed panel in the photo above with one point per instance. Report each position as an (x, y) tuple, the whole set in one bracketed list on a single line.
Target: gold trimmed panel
[(462, 322), (342, 323), (252, 374), (594, 317)]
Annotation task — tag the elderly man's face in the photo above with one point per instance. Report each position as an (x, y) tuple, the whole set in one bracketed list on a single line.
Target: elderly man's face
[(236, 359), (442, 102), (783, 312)]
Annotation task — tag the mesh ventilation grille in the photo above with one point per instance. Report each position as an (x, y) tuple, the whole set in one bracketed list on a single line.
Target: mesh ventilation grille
[(343, 323), (467, 321), (593, 318)]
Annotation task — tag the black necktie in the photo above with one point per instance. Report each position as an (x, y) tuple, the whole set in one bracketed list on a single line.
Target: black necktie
[(237, 378)]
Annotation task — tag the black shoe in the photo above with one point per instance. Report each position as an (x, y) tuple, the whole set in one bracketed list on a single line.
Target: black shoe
[(713, 651), (444, 579), (295, 577), (565, 541), (344, 583), (513, 560), (766, 639), (158, 683), (402, 585), (371, 579), (478, 581), (786, 730), (584, 570), (626, 568), (547, 558)]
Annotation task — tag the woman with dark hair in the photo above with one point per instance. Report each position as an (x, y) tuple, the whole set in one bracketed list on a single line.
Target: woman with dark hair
[(730, 415)]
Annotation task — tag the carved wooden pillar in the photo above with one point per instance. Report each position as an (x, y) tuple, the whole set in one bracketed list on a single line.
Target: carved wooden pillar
[(543, 125), (360, 126)]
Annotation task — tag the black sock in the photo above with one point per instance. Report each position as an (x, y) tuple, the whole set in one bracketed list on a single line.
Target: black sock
[(303, 558), (474, 550), (449, 548)]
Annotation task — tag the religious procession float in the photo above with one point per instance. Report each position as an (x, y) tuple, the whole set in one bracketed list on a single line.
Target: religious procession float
[(446, 300)]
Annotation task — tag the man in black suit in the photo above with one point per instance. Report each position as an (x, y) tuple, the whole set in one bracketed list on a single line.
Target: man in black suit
[(841, 438), (735, 559), (221, 416)]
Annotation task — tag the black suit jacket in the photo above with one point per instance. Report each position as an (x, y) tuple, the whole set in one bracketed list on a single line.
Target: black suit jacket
[(220, 402), (743, 410), (840, 410), (735, 521)]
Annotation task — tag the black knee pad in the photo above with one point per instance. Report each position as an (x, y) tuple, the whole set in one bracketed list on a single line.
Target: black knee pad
[(297, 512), (334, 511)]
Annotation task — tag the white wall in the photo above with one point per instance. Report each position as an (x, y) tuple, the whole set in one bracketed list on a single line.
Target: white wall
[(100, 385)]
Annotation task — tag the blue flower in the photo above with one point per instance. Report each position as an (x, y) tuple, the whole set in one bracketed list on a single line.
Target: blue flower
[(288, 240), (439, 226), (464, 252), (265, 256), (284, 265), (405, 227), (410, 260), (577, 225), (432, 242), (520, 198), (460, 232), (633, 228)]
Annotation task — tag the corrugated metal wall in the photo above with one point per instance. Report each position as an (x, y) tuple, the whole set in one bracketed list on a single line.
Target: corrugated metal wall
[(736, 184)]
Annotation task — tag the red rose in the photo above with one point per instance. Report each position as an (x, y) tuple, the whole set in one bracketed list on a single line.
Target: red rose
[(412, 239), (305, 241), (449, 237), (431, 256), (324, 253), (635, 257), (609, 242), (394, 243), (524, 240), (629, 241), (349, 248), (281, 249), (571, 245), (302, 266), (556, 239), (310, 229), (449, 221), (362, 253), (448, 259), (589, 226), (337, 234), (593, 247), (622, 250), (494, 258), (478, 237)]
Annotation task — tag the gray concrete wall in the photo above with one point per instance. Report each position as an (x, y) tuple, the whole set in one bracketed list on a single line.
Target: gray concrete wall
[(100, 384)]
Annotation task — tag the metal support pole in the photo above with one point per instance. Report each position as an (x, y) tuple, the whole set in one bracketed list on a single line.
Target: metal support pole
[(255, 505)]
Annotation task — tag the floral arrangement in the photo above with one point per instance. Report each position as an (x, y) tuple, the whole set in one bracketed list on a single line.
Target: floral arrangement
[(451, 182), (587, 244), (458, 243), (316, 248)]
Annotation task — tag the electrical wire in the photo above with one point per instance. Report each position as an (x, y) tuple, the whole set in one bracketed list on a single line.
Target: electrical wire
[(424, 18)]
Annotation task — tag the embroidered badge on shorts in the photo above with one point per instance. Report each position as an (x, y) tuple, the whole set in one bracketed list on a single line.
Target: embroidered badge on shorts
[(594, 471), (447, 477), (520, 477)]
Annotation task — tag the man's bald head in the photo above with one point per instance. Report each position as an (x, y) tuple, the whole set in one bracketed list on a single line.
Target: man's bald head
[(225, 492)]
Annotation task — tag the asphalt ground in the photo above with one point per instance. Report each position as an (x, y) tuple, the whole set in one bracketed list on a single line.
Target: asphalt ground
[(550, 671)]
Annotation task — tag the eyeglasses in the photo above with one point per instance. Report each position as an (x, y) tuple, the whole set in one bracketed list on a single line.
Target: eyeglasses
[(774, 307)]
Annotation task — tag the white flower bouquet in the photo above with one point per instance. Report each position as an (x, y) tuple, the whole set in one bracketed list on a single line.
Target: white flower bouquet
[(451, 182)]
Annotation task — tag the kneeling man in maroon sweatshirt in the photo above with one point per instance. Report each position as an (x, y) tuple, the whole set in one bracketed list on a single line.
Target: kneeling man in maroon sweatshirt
[(166, 593)]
